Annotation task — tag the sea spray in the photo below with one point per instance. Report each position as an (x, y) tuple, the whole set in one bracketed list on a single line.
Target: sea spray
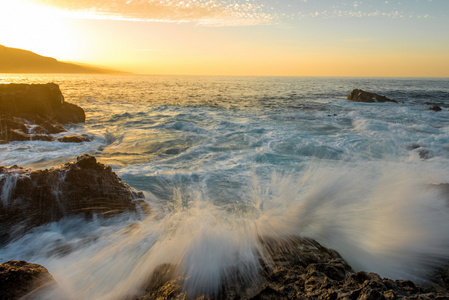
[(10, 178), (196, 241), (386, 218)]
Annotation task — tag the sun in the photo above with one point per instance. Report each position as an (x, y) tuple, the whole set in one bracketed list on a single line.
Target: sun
[(43, 30)]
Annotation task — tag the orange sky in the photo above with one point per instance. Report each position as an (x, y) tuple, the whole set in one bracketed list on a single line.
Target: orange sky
[(251, 37)]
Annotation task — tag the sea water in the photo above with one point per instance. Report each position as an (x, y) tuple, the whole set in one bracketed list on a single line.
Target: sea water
[(224, 161)]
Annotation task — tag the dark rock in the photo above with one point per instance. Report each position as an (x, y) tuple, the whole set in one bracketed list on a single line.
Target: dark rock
[(424, 153), (34, 197), (435, 108), (301, 269), (362, 96), (19, 278), (46, 127), (74, 138), (13, 129), (41, 137), (413, 146), (30, 101), (30, 109), (70, 113)]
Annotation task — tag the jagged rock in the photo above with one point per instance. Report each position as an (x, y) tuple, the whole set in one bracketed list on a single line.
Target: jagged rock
[(435, 108), (304, 269), (19, 278), (30, 111), (74, 138), (34, 197), (362, 96), (301, 269)]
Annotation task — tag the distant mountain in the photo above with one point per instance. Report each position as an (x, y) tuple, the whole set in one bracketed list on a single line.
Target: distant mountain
[(13, 60)]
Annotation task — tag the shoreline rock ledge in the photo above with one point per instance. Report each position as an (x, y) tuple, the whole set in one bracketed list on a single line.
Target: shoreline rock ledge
[(297, 268), (31, 198), (35, 112), (362, 96), (23, 280)]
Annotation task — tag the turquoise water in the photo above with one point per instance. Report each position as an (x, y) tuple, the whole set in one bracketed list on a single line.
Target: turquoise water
[(223, 160)]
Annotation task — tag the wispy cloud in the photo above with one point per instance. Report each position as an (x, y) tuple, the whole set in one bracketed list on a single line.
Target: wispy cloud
[(236, 12), (206, 12)]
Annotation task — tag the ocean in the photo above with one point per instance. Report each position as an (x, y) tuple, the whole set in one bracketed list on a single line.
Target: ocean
[(225, 160)]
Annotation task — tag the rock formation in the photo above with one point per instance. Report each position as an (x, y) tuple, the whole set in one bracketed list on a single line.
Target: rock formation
[(299, 268), (19, 278), (362, 96), (303, 269), (34, 197), (34, 112)]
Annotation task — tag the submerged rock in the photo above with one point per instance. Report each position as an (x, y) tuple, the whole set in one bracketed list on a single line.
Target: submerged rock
[(34, 111), (362, 96), (435, 108), (19, 278), (31, 198)]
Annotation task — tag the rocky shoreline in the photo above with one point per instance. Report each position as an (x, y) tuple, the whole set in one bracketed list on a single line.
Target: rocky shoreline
[(299, 268)]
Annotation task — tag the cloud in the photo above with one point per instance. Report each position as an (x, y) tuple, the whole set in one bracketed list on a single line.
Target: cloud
[(233, 12), (206, 12)]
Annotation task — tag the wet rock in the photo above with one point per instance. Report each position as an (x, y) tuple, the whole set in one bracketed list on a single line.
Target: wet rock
[(424, 153), (300, 268), (435, 108), (79, 138), (30, 111), (31, 198), (362, 96), (19, 278), (413, 146)]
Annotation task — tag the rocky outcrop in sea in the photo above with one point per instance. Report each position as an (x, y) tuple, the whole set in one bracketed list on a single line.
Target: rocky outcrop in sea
[(362, 96), (31, 198), (36, 112)]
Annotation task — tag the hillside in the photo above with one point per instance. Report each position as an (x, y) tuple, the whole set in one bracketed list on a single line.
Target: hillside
[(13, 60)]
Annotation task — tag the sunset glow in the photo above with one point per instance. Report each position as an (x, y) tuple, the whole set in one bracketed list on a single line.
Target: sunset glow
[(251, 37)]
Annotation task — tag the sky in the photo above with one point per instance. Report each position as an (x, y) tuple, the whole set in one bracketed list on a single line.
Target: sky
[(407, 38)]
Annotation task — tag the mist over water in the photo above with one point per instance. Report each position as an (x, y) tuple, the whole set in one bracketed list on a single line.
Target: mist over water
[(228, 162)]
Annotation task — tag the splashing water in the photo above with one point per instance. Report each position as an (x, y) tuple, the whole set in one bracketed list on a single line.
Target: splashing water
[(389, 222), (9, 185)]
